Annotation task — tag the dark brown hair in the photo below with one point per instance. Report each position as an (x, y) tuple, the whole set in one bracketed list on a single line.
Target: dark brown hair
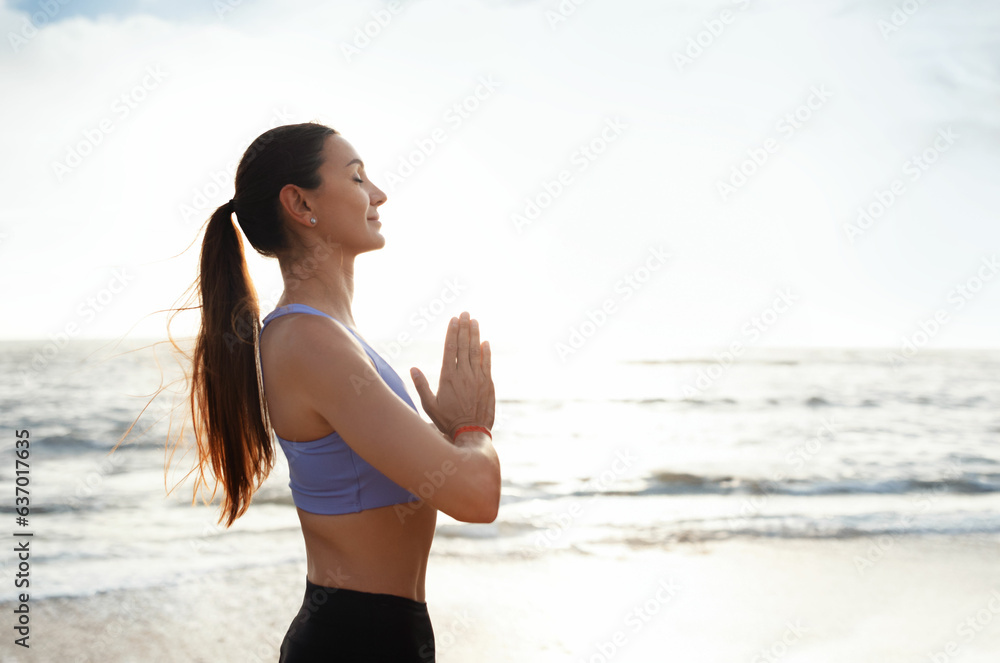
[(232, 430)]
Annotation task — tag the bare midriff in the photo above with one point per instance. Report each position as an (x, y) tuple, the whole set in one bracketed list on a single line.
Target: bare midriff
[(381, 550)]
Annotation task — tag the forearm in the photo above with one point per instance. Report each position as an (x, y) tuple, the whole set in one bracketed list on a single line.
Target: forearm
[(476, 441), (482, 464), (477, 447)]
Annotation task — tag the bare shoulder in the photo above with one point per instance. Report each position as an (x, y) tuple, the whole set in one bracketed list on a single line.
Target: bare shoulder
[(323, 356), (298, 343), (334, 378)]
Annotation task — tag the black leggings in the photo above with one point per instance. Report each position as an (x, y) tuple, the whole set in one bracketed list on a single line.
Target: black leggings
[(344, 625)]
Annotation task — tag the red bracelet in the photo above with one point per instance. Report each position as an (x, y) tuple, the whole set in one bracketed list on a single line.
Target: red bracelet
[(461, 429)]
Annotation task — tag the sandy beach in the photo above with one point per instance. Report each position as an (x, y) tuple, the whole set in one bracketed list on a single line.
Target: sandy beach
[(904, 599)]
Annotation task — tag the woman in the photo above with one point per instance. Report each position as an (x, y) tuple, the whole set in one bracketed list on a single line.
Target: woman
[(368, 474)]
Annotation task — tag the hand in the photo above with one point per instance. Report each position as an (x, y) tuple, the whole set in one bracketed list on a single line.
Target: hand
[(465, 390)]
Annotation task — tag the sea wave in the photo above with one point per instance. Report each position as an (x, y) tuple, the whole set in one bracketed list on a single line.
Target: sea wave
[(679, 483)]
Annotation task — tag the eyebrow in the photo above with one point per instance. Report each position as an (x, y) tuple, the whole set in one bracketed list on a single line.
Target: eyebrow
[(356, 161)]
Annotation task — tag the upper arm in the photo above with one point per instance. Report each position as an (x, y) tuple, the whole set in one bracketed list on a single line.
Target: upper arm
[(338, 381)]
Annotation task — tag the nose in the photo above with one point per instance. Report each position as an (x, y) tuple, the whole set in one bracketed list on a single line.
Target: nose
[(378, 197)]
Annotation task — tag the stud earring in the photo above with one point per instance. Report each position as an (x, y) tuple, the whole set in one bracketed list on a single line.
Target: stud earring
[(312, 221)]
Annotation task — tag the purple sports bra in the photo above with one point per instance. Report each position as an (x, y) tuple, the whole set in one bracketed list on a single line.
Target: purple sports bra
[(326, 476)]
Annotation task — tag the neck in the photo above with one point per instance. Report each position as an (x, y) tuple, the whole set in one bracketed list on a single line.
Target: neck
[(325, 283)]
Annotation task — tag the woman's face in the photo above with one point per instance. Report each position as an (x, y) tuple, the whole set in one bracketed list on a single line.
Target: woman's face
[(345, 205)]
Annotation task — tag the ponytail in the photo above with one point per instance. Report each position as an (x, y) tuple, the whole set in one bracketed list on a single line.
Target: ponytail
[(228, 412), (231, 424)]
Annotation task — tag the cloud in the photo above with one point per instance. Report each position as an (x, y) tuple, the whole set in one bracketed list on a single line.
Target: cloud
[(42, 12), (148, 112)]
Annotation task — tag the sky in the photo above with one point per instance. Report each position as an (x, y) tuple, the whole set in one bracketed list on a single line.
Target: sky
[(644, 177)]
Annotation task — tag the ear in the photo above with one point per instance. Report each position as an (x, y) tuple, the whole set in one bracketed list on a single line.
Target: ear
[(295, 205)]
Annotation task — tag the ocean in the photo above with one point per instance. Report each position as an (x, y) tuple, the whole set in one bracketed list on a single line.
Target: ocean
[(601, 455)]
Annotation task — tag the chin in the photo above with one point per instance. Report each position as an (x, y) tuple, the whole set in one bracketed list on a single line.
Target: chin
[(375, 245)]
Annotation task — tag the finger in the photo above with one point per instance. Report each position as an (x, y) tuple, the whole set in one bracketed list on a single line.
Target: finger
[(423, 389), (463, 341), (427, 398), (491, 404), (475, 349), (487, 363), (450, 347), (491, 408)]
